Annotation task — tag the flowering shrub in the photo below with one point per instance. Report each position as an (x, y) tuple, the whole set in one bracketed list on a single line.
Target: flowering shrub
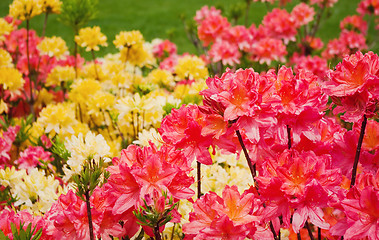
[(269, 134)]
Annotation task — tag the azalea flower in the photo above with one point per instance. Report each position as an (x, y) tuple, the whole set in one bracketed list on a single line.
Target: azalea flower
[(91, 38)]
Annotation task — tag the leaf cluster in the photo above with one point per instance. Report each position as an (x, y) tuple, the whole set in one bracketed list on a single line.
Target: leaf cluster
[(22, 234), (148, 216), (77, 13), (90, 177)]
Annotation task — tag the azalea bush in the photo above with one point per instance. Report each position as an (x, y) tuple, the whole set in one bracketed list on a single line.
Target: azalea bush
[(269, 133)]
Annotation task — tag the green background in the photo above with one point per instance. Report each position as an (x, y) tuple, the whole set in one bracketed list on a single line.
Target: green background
[(161, 19)]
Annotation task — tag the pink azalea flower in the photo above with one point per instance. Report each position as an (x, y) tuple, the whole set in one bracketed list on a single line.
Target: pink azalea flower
[(267, 50), (370, 7), (67, 218), (353, 86), (211, 28), (355, 23), (183, 129), (314, 64), (6, 142), (280, 24), (164, 49), (144, 171), (204, 12), (225, 52), (230, 216), (335, 49), (9, 216), (32, 156), (303, 14), (239, 35), (362, 216)]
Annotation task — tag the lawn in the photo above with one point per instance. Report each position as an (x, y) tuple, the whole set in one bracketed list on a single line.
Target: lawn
[(161, 19)]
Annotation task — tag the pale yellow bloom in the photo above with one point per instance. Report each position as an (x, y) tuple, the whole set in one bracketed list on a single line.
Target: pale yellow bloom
[(36, 191), (53, 46), (11, 177), (147, 136), (90, 38), (90, 147)]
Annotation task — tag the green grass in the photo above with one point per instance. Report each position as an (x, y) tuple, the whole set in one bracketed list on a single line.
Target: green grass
[(160, 19)]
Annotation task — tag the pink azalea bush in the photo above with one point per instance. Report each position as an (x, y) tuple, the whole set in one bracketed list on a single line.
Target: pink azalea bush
[(117, 147)]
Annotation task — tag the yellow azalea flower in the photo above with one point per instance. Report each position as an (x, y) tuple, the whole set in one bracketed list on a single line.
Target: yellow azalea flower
[(57, 117), (53, 46), (51, 6), (191, 67), (36, 191), (11, 177), (122, 80), (60, 74), (5, 59), (90, 38), (147, 136), (100, 102), (25, 9), (161, 77), (44, 98), (83, 90), (142, 111), (89, 71), (5, 28), (11, 79), (36, 130), (3, 107), (128, 39), (135, 55), (112, 66)]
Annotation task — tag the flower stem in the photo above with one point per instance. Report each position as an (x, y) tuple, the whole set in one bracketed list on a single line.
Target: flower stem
[(92, 237), (198, 179), (298, 236), (157, 233), (318, 19), (251, 166), (319, 233), (31, 99), (309, 230), (358, 152), (289, 137), (45, 24)]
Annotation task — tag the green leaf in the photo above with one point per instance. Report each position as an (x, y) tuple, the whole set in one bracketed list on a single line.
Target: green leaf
[(38, 234), (2, 236)]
